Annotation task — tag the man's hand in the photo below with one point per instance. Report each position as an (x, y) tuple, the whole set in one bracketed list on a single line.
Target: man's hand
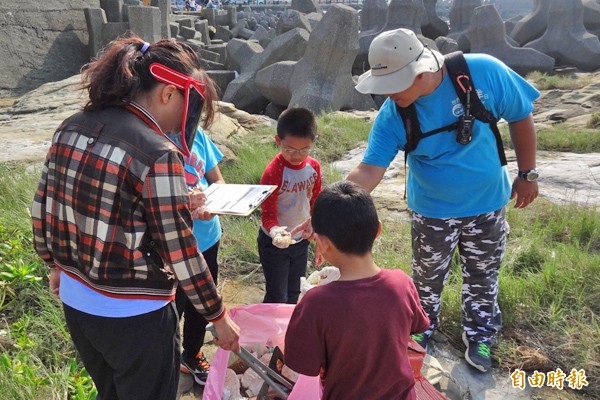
[(525, 192), (281, 237), (227, 334), (305, 229), (524, 140)]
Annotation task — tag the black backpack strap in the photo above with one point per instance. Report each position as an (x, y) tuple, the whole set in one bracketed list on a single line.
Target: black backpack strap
[(460, 76), (411, 126), (414, 133)]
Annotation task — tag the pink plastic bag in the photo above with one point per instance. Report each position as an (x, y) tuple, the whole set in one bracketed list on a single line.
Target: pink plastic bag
[(259, 324)]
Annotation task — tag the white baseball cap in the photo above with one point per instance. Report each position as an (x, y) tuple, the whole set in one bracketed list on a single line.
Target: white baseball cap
[(397, 57)]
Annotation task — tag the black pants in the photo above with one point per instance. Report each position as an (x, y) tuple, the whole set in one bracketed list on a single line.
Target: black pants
[(132, 358), (194, 324), (282, 268)]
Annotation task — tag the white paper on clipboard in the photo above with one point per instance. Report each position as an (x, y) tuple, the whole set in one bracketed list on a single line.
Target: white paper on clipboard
[(236, 199)]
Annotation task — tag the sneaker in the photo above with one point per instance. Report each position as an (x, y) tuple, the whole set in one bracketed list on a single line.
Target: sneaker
[(479, 355), (197, 366), (422, 339)]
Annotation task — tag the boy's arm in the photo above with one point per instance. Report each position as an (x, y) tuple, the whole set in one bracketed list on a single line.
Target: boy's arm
[(304, 347), (215, 176), (318, 184), (272, 176), (420, 322)]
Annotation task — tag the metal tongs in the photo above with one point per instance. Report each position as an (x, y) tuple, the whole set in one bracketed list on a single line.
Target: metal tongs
[(279, 384)]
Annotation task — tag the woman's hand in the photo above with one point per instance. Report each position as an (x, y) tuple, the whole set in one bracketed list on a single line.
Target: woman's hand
[(227, 334), (54, 282)]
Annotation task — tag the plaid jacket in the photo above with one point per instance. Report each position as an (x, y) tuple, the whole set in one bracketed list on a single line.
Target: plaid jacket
[(112, 210)]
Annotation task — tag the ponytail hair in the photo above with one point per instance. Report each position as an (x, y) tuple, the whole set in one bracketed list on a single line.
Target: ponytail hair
[(210, 92), (121, 73)]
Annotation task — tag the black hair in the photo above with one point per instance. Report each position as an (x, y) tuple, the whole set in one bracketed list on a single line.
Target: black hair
[(299, 122), (345, 214), (121, 72)]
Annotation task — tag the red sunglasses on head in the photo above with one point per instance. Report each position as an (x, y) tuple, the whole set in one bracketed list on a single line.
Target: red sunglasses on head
[(193, 94)]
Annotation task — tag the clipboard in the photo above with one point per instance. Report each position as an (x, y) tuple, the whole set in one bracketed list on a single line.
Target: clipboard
[(236, 199)]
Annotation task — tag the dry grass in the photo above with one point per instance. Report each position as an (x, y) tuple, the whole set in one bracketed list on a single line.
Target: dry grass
[(543, 81), (7, 102)]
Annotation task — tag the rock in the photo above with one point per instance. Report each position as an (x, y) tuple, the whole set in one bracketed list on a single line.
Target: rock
[(488, 35), (41, 41), (432, 25), (460, 19), (532, 25), (566, 38), (321, 81), (242, 91), (27, 126)]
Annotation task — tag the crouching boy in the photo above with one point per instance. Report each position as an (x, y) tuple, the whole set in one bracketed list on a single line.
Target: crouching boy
[(354, 332)]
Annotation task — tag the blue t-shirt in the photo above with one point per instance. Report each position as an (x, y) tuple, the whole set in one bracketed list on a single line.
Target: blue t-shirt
[(204, 156), (447, 179)]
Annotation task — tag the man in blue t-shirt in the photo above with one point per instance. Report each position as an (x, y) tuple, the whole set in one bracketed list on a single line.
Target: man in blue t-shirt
[(457, 193)]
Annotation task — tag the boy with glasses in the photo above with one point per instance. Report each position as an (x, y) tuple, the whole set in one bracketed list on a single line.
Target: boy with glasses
[(298, 180)]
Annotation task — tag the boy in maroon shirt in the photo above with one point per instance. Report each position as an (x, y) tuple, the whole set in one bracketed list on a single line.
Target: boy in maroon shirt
[(354, 332)]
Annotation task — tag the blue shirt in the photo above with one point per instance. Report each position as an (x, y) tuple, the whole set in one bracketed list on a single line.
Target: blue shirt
[(447, 179), (204, 156), (85, 299)]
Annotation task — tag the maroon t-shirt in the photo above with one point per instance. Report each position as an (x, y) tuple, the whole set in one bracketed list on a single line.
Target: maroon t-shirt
[(356, 333)]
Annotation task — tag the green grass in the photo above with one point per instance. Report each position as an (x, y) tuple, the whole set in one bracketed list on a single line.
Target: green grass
[(594, 122), (17, 186), (549, 282), (37, 358), (544, 81), (561, 138)]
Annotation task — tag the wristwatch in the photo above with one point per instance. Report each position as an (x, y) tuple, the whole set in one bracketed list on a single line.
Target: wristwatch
[(531, 175)]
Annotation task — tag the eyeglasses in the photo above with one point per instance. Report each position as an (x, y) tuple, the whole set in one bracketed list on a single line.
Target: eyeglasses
[(193, 95), (291, 151)]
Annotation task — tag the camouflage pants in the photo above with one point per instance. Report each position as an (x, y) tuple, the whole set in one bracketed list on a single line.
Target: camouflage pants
[(481, 244)]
